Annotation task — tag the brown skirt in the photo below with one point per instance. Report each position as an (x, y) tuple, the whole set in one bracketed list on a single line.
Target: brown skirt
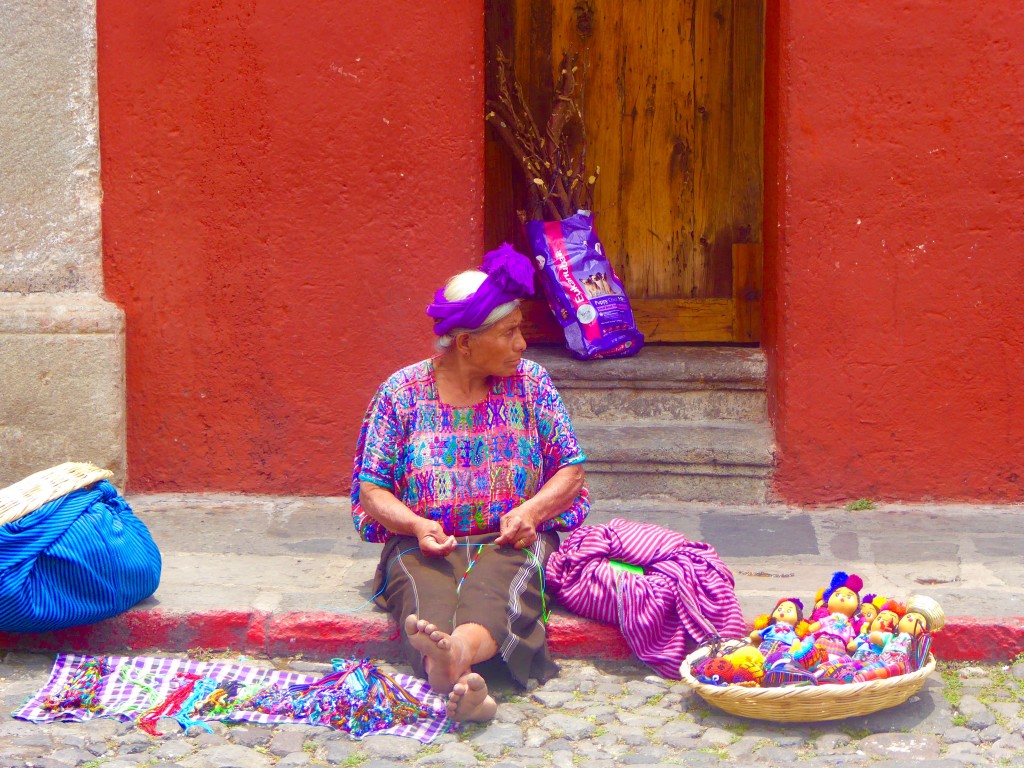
[(501, 592)]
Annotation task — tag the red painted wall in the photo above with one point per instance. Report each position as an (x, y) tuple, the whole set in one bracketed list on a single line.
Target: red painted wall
[(284, 187), (895, 249), (285, 184)]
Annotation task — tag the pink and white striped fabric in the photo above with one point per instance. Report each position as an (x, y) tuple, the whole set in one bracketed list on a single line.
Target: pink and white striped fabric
[(685, 594)]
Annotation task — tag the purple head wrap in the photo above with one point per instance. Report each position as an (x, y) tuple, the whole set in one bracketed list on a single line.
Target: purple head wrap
[(509, 277)]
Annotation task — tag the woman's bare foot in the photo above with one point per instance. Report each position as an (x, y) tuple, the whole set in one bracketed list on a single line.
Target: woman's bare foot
[(443, 657), (470, 700)]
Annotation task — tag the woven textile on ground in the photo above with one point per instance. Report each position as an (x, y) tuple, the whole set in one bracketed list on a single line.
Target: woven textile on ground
[(131, 686)]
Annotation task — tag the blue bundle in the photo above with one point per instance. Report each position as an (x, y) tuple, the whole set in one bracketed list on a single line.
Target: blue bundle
[(76, 560)]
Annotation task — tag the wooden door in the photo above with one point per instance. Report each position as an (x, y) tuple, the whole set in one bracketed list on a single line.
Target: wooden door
[(673, 107)]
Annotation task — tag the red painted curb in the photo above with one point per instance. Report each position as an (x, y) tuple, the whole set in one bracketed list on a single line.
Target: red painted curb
[(323, 635), (966, 639), (579, 638), (150, 629)]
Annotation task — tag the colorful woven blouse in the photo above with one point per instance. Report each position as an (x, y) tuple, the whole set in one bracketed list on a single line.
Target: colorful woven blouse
[(465, 467)]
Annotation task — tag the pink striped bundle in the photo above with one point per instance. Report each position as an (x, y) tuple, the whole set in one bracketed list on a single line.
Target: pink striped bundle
[(685, 594)]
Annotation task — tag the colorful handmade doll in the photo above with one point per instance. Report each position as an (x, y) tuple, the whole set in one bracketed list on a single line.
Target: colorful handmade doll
[(781, 668), (869, 607), (863, 646), (808, 654), (889, 615), (899, 648), (779, 630), (833, 633), (742, 666), (717, 671), (820, 610), (747, 660)]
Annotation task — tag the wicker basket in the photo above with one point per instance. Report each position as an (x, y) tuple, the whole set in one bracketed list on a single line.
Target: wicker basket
[(34, 491), (797, 704)]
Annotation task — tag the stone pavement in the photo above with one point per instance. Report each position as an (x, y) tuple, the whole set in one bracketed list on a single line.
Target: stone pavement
[(278, 576), (597, 714)]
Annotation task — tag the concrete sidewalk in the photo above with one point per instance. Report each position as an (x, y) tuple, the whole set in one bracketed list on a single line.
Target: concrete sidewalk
[(287, 575)]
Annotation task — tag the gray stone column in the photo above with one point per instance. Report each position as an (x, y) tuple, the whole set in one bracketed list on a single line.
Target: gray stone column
[(62, 380)]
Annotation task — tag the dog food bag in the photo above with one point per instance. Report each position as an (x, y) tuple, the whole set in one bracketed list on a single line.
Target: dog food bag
[(583, 290)]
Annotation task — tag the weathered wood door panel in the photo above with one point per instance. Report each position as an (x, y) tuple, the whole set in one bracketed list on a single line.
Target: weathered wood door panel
[(673, 104)]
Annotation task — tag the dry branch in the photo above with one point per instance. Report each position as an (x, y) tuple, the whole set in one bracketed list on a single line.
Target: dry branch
[(553, 162)]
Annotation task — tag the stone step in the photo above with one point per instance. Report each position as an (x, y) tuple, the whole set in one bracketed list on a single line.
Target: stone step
[(667, 383), (717, 461)]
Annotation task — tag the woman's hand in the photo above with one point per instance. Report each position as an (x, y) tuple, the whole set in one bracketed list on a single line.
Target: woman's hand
[(519, 526), (382, 505), (433, 541), (518, 529)]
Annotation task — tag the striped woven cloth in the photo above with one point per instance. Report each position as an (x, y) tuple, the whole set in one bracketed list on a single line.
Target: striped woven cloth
[(76, 560), (119, 697), (685, 595)]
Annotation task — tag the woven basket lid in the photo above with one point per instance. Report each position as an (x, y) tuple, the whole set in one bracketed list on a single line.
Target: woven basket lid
[(34, 491), (928, 608)]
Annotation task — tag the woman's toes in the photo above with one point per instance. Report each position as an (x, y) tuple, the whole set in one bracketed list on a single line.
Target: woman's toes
[(444, 642), (411, 624), (469, 700), (452, 705)]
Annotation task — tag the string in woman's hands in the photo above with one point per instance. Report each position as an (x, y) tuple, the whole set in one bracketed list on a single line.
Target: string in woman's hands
[(517, 529), (433, 541)]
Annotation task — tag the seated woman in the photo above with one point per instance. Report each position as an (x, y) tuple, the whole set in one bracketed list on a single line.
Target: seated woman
[(467, 465)]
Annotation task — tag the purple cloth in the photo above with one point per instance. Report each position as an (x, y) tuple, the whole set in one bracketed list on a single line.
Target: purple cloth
[(509, 277), (685, 594)]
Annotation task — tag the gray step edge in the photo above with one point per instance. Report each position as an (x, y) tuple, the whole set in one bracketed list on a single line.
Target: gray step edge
[(668, 367), (650, 443)]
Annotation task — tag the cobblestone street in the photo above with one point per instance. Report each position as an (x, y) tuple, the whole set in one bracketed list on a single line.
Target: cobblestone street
[(595, 714)]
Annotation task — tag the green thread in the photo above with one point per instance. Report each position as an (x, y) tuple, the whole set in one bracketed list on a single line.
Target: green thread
[(144, 682)]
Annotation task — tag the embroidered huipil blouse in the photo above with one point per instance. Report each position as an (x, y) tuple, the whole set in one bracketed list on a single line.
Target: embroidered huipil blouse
[(465, 467)]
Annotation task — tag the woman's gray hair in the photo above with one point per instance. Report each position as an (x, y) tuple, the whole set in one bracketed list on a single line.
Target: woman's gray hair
[(463, 285)]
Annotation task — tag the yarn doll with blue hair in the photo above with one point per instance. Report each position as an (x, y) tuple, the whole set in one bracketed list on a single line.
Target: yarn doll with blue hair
[(828, 637)]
